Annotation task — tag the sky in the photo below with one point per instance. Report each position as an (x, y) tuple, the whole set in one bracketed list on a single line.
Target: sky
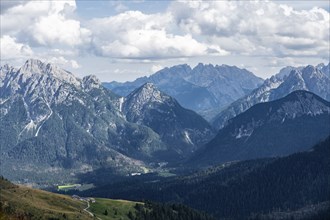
[(124, 40)]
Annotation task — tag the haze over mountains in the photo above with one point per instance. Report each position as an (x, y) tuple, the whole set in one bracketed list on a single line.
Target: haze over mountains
[(203, 88), (289, 79), (209, 89)]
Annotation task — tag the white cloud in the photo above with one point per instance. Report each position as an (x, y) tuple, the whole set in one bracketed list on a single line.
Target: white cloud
[(55, 29), (5, 5), (11, 49), (46, 23), (61, 61), (256, 27), (156, 68), (136, 35), (185, 31)]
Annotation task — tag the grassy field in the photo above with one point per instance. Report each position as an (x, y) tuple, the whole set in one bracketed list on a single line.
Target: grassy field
[(20, 202), (108, 209)]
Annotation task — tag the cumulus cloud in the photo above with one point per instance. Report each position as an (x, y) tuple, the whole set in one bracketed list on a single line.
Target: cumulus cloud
[(156, 68), (61, 61), (11, 49), (5, 5), (133, 34), (185, 30), (256, 27), (45, 23)]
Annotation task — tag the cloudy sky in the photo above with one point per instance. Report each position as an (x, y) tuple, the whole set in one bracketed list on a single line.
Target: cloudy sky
[(122, 40)]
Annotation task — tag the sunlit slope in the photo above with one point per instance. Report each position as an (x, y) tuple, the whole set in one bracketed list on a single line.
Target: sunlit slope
[(20, 202)]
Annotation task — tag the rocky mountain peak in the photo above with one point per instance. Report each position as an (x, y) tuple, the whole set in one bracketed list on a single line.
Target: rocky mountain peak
[(167, 74), (149, 86), (297, 118), (90, 82), (202, 66), (32, 65), (4, 70), (148, 93), (311, 71), (326, 70), (6, 67), (206, 88), (307, 78), (295, 81), (36, 68), (284, 72), (302, 102), (181, 128)]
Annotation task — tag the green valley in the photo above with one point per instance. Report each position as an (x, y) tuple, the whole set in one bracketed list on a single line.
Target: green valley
[(21, 202)]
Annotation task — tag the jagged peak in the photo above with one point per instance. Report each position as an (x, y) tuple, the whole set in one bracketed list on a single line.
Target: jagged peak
[(184, 66), (148, 92), (304, 102), (320, 65), (32, 65), (295, 73), (149, 86), (179, 66), (203, 65), (227, 66), (91, 81), (180, 70), (37, 67), (309, 68), (300, 95), (223, 68), (296, 103), (6, 67)]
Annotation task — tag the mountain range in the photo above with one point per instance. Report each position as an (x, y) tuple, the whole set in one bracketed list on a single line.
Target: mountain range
[(258, 158), (55, 123), (309, 78), (202, 88), (277, 128), (59, 125)]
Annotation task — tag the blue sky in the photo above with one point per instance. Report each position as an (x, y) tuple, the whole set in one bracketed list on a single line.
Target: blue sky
[(123, 40)]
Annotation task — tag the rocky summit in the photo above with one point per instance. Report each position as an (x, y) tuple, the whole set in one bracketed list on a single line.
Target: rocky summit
[(180, 128), (277, 128), (309, 78)]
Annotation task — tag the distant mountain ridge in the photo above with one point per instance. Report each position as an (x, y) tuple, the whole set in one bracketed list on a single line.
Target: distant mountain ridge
[(277, 128), (289, 79), (201, 88)]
